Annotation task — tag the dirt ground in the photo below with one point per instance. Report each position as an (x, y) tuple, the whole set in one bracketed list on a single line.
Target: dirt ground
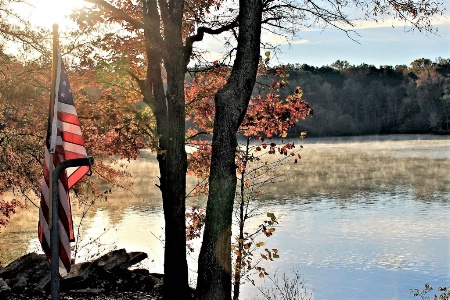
[(135, 295)]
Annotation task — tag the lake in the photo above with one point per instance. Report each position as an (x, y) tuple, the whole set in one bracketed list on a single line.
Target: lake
[(359, 218)]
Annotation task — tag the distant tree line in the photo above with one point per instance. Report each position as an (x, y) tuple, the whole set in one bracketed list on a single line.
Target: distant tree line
[(364, 99)]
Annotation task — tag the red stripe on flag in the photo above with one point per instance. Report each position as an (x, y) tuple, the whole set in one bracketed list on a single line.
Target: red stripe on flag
[(46, 173), (44, 208), (63, 256), (71, 138), (65, 221), (43, 240), (68, 118), (73, 155)]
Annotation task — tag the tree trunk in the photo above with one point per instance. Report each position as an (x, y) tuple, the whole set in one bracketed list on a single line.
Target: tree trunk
[(241, 223), (214, 271), (169, 110)]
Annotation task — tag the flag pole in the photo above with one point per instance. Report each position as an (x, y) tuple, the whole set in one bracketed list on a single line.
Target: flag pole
[(53, 223), (51, 114)]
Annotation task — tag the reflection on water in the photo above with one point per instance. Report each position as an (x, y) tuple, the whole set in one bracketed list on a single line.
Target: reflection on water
[(361, 219), (358, 250)]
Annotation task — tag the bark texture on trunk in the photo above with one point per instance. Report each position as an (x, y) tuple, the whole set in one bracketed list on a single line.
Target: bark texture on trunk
[(169, 109), (214, 270)]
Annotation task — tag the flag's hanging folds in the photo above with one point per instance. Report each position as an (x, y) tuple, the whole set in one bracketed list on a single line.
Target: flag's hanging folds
[(64, 139)]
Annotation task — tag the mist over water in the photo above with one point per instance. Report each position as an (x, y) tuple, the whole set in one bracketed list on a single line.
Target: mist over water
[(360, 218)]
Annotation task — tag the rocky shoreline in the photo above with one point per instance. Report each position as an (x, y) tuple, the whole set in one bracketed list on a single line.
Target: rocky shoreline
[(107, 277)]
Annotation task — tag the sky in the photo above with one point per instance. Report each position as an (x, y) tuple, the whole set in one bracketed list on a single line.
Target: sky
[(45, 13), (376, 44), (373, 43)]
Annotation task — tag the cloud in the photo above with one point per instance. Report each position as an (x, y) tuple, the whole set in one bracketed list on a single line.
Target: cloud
[(302, 42), (279, 39), (360, 23), (391, 22)]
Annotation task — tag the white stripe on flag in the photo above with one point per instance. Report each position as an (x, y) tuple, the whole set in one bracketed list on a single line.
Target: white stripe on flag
[(71, 170), (63, 126), (74, 148), (62, 269), (71, 147), (67, 108), (44, 226), (64, 238), (47, 160), (45, 192)]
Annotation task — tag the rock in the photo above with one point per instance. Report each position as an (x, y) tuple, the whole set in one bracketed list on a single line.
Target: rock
[(5, 290), (21, 283), (26, 272), (79, 276), (112, 259), (22, 264), (109, 272), (134, 258)]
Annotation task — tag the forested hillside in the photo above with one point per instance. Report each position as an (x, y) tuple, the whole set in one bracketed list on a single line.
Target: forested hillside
[(364, 99)]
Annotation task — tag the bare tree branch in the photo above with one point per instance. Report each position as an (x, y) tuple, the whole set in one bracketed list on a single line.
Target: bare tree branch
[(118, 13), (200, 35)]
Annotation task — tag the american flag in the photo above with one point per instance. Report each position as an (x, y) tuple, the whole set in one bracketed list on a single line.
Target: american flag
[(64, 139)]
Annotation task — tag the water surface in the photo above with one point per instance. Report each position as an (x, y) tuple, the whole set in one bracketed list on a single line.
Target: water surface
[(360, 218)]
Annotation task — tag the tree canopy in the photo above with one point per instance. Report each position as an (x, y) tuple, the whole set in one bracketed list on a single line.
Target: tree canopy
[(364, 99)]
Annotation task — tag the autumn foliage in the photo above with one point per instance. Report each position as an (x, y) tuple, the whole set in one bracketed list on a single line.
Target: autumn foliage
[(7, 208), (113, 123), (272, 116), (268, 116)]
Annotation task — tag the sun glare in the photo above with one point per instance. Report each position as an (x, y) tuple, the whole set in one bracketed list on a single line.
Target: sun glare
[(45, 13)]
